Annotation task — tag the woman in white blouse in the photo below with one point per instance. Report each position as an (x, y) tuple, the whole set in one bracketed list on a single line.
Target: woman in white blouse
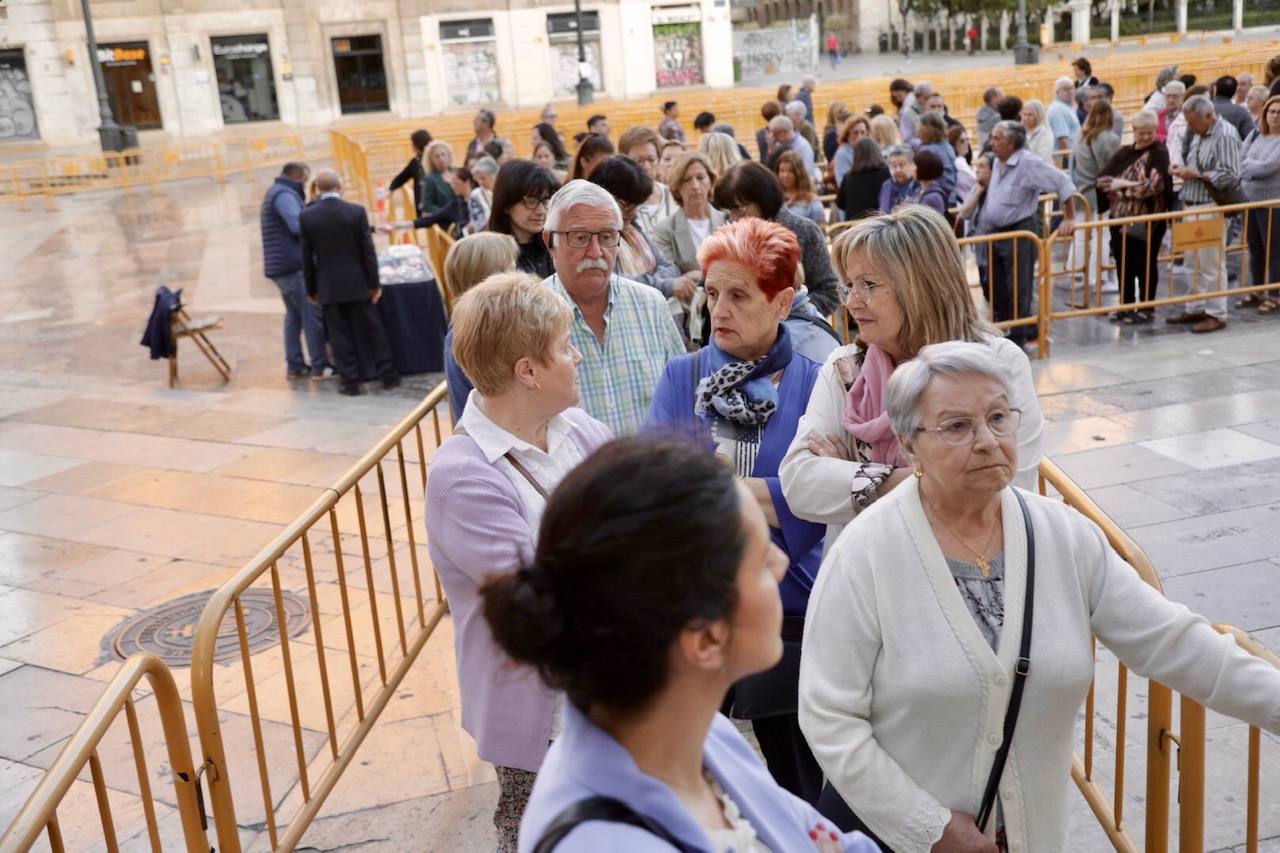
[(907, 289), (915, 628)]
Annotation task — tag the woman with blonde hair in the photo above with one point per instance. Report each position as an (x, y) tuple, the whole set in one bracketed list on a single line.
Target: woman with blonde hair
[(884, 130), (692, 179), (837, 115), (797, 188), (721, 150), (1039, 134), (436, 192), (470, 261), (520, 435), (907, 289)]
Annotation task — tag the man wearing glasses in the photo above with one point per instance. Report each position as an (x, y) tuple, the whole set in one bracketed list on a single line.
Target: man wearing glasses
[(622, 328)]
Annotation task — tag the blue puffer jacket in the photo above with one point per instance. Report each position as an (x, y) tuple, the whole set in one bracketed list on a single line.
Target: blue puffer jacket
[(281, 245)]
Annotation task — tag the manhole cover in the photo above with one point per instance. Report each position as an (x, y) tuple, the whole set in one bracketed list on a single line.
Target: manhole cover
[(169, 631)]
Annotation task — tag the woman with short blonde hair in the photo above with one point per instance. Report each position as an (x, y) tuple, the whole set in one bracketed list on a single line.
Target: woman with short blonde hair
[(884, 130), (470, 261), (642, 145), (1039, 134), (907, 289), (721, 150), (520, 435), (436, 192)]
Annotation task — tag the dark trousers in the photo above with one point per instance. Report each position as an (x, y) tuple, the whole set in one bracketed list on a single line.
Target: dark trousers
[(1264, 269), (1013, 279), (1137, 263), (787, 754), (353, 327)]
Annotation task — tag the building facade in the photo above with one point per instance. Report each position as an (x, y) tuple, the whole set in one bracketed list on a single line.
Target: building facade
[(191, 68), (863, 21)]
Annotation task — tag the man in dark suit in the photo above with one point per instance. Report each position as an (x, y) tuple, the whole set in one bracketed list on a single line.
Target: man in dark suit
[(341, 273)]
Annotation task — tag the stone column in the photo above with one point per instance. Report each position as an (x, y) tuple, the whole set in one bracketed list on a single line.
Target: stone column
[(1237, 15), (1080, 21), (1181, 16), (1004, 30), (1115, 21)]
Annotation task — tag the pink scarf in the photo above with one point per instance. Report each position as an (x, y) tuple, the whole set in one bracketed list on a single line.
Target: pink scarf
[(865, 417)]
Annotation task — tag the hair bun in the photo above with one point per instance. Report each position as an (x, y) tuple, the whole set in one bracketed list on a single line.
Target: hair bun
[(525, 616)]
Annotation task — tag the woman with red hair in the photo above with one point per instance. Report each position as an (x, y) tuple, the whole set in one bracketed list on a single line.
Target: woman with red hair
[(741, 396)]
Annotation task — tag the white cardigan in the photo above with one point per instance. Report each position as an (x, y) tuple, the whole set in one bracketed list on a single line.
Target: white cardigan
[(903, 700), (819, 488)]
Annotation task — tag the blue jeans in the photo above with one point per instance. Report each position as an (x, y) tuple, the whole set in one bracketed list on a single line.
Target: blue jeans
[(301, 317)]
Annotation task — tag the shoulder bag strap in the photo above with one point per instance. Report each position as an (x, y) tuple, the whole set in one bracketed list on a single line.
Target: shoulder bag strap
[(602, 809), (515, 463), (1020, 671)]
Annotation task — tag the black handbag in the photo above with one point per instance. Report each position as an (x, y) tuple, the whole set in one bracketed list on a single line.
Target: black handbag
[(603, 809)]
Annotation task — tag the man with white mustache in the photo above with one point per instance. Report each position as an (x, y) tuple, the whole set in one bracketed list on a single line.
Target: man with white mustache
[(622, 328)]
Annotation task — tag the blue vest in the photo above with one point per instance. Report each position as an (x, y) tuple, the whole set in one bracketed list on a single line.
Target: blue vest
[(281, 248)]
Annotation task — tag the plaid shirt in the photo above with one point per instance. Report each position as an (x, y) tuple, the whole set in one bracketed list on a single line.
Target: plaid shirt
[(1217, 155), (620, 375)]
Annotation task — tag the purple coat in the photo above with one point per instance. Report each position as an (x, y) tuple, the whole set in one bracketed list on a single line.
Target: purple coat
[(476, 527)]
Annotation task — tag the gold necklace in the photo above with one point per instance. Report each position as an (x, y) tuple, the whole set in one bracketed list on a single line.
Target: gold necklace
[(983, 563)]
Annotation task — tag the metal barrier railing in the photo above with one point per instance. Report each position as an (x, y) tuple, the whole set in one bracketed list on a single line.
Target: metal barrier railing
[(40, 813), (128, 170), (314, 549), (1161, 738)]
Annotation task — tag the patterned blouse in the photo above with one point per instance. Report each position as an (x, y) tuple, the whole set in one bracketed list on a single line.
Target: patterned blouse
[(983, 595)]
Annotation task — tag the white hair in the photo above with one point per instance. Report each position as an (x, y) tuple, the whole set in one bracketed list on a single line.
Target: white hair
[(486, 165), (796, 108), (1174, 87), (580, 192), (1199, 105), (923, 89), (781, 123), (1145, 118), (1063, 81), (952, 358)]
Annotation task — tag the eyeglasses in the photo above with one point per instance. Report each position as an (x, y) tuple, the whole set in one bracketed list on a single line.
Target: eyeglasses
[(958, 432), (863, 290), (533, 202), (582, 239)]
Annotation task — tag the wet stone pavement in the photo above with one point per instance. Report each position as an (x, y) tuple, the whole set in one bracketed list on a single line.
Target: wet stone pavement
[(118, 494)]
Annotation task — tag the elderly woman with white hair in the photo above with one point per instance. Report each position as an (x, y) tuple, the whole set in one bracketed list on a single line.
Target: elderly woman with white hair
[(484, 173), (1039, 134), (941, 711), (520, 434)]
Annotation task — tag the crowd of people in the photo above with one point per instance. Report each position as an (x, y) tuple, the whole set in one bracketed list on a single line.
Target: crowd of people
[(672, 495)]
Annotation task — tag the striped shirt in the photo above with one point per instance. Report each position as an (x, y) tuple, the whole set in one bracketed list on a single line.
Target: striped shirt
[(1016, 185), (619, 376), (1215, 154)]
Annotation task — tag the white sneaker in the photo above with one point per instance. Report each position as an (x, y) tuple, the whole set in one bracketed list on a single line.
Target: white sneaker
[(327, 373)]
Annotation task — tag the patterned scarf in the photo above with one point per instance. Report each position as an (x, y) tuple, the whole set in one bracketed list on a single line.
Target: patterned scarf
[(742, 392), (864, 415), (634, 256)]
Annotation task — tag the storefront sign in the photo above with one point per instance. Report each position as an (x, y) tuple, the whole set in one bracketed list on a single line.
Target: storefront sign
[(115, 57), (676, 15), (240, 48)]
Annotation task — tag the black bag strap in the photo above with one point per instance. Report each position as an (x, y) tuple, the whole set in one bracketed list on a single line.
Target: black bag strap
[(603, 809), (1020, 671)]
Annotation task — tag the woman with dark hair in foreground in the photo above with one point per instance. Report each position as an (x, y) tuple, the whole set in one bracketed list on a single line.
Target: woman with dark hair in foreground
[(654, 588)]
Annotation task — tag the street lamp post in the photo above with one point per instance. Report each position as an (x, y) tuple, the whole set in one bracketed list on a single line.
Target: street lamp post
[(586, 92), (1024, 53), (110, 134)]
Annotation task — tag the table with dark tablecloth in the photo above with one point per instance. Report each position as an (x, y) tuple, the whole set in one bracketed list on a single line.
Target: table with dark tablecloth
[(413, 315)]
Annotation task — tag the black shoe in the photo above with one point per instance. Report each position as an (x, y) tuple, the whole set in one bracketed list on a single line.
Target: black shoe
[(351, 390), (391, 383)]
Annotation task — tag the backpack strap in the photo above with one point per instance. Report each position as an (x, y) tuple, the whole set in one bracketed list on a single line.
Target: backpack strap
[(1020, 672), (605, 809)]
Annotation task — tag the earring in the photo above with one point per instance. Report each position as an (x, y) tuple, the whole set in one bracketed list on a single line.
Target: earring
[(919, 472)]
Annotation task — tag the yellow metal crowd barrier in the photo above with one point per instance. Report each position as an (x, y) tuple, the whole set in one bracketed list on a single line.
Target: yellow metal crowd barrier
[(49, 177), (40, 813), (317, 548), (1162, 738)]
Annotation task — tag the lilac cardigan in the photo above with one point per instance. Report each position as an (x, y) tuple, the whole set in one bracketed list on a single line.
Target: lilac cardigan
[(476, 527)]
